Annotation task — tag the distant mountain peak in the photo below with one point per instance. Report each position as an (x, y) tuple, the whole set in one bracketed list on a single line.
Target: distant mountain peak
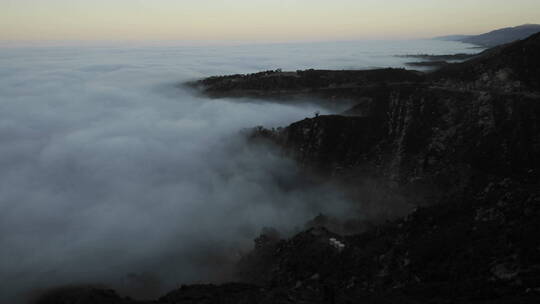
[(497, 37)]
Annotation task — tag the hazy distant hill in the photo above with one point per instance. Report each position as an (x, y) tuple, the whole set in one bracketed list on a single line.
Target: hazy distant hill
[(497, 37)]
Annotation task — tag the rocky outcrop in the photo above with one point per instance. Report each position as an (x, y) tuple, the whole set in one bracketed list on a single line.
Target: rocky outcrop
[(479, 250)]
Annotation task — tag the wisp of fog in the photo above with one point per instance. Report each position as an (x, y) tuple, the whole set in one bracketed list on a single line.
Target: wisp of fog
[(113, 173)]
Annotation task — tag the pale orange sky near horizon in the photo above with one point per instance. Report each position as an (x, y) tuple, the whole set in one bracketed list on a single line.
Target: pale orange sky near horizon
[(256, 20)]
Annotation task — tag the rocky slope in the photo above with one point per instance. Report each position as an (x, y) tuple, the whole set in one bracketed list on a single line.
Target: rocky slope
[(424, 138), (465, 143), (462, 144)]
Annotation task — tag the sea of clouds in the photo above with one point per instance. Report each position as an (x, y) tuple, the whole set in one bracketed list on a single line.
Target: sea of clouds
[(110, 172)]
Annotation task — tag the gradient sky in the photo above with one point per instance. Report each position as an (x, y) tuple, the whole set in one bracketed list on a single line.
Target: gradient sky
[(256, 20)]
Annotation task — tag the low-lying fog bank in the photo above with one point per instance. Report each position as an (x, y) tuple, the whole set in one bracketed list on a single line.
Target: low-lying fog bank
[(112, 174)]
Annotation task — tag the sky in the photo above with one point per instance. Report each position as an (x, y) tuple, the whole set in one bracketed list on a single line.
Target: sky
[(256, 20)]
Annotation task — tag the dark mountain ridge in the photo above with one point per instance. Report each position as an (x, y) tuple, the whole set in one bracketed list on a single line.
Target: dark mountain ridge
[(497, 37), (515, 67)]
